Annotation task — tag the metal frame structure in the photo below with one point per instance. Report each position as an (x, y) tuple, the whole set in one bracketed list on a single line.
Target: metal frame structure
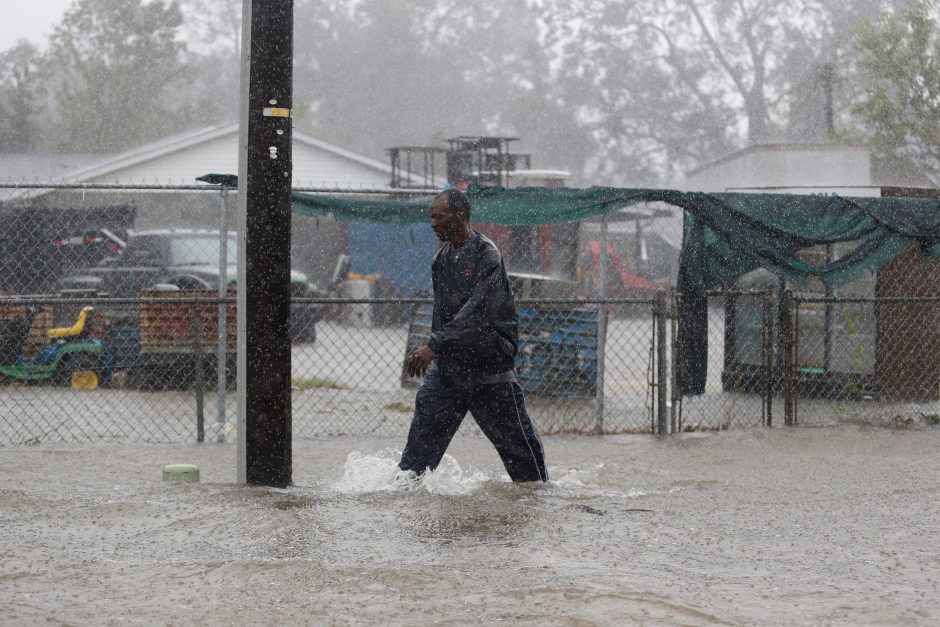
[(481, 160)]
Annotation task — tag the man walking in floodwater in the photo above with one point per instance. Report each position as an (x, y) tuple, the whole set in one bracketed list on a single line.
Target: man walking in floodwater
[(468, 361)]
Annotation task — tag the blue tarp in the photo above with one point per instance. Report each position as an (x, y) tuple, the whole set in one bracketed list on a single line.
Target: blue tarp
[(401, 254)]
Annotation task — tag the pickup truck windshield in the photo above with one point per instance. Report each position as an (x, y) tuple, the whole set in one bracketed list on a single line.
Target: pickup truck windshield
[(200, 251)]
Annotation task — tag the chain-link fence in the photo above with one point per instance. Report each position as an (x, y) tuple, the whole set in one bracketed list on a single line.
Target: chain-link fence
[(150, 259), (151, 369), (154, 358), (739, 387), (583, 369), (872, 361), (161, 367), (107, 369)]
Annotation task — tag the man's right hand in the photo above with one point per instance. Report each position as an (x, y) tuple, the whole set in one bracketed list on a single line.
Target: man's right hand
[(420, 361)]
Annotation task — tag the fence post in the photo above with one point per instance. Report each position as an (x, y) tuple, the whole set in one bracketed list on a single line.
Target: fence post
[(602, 314), (601, 352), (768, 350), (199, 374), (222, 325), (674, 391), (660, 315), (788, 315)]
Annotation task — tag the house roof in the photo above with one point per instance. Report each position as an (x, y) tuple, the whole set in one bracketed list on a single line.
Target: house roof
[(184, 141), (32, 167)]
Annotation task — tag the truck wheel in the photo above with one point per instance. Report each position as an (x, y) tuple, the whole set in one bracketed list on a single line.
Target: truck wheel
[(84, 380)]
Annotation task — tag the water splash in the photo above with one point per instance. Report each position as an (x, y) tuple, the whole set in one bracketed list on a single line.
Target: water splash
[(379, 472)]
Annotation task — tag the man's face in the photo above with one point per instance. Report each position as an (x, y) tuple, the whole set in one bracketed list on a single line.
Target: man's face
[(445, 222)]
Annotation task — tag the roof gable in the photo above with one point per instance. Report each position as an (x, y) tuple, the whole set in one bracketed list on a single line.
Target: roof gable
[(181, 158)]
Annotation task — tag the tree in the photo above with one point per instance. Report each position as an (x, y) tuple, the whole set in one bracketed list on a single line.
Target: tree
[(117, 74), (896, 94), (665, 85), (668, 84), (495, 47), (19, 97), (373, 80), (376, 74), (814, 102), (213, 28)]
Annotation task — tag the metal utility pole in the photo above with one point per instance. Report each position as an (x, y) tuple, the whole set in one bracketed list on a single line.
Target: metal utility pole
[(225, 182), (603, 309), (264, 203)]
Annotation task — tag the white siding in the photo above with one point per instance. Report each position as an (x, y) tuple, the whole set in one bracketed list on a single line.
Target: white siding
[(316, 168), (219, 156), (785, 166), (311, 165)]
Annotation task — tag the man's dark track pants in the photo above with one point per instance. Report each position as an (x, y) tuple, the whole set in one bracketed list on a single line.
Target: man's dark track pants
[(499, 409)]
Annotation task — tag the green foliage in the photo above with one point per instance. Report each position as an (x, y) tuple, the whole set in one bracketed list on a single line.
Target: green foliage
[(19, 97), (898, 99), (668, 84), (118, 76)]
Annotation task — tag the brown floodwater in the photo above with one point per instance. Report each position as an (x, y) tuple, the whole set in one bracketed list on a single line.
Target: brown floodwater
[(835, 525)]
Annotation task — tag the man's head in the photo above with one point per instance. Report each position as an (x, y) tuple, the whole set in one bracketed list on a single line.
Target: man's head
[(450, 215)]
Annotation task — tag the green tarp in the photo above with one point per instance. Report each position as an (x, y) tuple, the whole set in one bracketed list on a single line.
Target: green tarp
[(728, 235), (725, 235), (524, 205)]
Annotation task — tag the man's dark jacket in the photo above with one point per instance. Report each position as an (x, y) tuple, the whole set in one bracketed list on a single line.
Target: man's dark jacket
[(475, 330)]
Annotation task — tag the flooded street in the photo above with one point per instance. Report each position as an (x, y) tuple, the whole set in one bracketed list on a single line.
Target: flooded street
[(760, 526)]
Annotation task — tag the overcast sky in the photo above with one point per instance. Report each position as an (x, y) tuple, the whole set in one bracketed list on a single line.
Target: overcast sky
[(29, 20)]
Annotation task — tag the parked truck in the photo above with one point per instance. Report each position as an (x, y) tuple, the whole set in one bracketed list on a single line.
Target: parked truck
[(155, 344)]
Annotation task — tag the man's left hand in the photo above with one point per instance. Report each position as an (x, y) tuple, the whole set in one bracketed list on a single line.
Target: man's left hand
[(420, 361)]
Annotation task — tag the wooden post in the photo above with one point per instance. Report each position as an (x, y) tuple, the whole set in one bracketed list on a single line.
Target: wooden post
[(264, 183)]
